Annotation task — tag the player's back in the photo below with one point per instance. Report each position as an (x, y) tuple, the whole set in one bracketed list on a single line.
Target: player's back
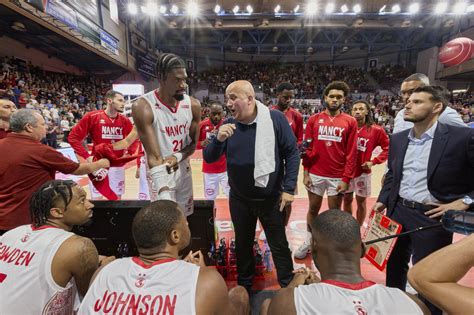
[(167, 286), (171, 124), (27, 285), (333, 297)]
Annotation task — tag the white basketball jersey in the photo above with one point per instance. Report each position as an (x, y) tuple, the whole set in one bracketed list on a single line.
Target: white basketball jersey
[(333, 297), (171, 124), (128, 286), (26, 281)]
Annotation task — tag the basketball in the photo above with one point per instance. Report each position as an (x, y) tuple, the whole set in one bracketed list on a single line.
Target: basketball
[(456, 51)]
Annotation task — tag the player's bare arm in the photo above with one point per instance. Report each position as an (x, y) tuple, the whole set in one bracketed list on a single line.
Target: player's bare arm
[(143, 117), (125, 143)]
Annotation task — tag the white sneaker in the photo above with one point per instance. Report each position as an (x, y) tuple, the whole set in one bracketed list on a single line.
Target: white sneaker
[(262, 236), (303, 250)]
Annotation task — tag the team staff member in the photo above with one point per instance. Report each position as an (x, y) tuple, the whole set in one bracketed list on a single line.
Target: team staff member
[(430, 170), (215, 174), (104, 126), (262, 164), (369, 136), (7, 108), (28, 165), (329, 163), (285, 94), (44, 266), (157, 280)]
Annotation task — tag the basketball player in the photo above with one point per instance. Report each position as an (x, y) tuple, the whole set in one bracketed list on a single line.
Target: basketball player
[(329, 163), (369, 136), (337, 248), (104, 126), (7, 108), (285, 94), (215, 174), (156, 282), (43, 266), (167, 122)]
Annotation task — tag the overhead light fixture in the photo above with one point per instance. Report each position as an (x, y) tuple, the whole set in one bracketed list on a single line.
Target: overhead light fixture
[(163, 9), (382, 9), (275, 49), (151, 8), (277, 9), (217, 9), (470, 8), (235, 9), (356, 8), (396, 8), (441, 8), (192, 8), (174, 9), (329, 8), (414, 8), (239, 49), (311, 8), (460, 8), (310, 50), (344, 8), (18, 26), (132, 8), (249, 9), (296, 9)]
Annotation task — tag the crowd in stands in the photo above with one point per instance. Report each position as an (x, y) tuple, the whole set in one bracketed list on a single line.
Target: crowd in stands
[(64, 98)]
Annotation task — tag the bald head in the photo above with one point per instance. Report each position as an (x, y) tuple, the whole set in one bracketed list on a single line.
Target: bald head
[(241, 101)]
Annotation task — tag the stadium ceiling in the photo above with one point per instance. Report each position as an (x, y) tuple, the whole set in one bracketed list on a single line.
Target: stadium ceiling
[(35, 35)]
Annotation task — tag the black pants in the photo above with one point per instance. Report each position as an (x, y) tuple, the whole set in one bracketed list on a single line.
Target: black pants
[(244, 216), (418, 244)]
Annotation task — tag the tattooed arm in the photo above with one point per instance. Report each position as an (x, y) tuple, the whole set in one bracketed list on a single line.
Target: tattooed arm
[(76, 258)]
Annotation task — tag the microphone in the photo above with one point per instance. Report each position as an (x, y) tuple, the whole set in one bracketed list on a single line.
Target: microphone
[(458, 221)]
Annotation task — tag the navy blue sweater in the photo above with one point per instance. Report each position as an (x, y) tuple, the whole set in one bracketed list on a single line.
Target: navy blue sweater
[(240, 153)]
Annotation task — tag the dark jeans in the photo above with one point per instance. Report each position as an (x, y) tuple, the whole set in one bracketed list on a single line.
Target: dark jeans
[(418, 244), (244, 214)]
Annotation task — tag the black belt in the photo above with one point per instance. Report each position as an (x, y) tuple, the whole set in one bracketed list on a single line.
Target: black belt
[(414, 205)]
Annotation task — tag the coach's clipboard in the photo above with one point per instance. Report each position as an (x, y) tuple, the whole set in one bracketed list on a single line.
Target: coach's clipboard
[(380, 226)]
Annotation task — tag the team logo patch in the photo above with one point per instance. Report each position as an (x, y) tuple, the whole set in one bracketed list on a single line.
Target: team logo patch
[(102, 121), (328, 143), (209, 191), (26, 237), (140, 280), (359, 308)]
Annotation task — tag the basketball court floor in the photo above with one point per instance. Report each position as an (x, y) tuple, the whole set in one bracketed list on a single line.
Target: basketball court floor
[(296, 229)]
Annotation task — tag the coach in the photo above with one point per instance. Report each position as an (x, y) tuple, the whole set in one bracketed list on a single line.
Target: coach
[(430, 170), (262, 165)]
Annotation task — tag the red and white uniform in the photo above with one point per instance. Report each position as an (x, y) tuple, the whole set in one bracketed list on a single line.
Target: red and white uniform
[(102, 129), (128, 286), (295, 119), (334, 297), (172, 131), (143, 189), (215, 174), (333, 150), (26, 281)]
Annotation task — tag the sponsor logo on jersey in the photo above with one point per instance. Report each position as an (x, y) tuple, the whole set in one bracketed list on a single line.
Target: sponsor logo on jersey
[(321, 121), (185, 106), (102, 121), (112, 132)]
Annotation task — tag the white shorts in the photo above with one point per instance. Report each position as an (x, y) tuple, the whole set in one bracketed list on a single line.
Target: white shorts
[(182, 190), (361, 185), (321, 184), (116, 182), (212, 183), (143, 190)]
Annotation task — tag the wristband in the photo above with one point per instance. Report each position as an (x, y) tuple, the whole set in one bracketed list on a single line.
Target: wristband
[(178, 156), (162, 181)]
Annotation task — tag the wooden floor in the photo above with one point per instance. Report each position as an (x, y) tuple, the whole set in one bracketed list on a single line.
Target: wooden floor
[(296, 229)]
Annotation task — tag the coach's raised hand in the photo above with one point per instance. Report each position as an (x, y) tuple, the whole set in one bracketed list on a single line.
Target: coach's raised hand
[(225, 131)]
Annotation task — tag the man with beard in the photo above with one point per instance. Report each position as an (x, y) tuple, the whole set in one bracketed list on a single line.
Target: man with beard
[(369, 136), (330, 161), (103, 126), (167, 122), (43, 266), (215, 174), (448, 116), (430, 171), (285, 94)]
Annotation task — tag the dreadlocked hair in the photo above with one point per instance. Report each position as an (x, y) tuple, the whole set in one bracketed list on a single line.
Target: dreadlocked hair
[(369, 119), (167, 62), (49, 195)]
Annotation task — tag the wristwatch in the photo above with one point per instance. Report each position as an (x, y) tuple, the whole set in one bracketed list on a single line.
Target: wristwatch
[(467, 201)]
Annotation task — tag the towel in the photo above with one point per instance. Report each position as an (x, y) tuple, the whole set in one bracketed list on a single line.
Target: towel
[(264, 146)]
